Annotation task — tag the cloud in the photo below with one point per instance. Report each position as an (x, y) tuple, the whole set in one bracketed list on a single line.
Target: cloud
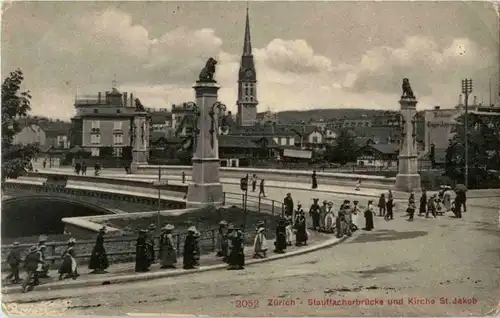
[(160, 68)]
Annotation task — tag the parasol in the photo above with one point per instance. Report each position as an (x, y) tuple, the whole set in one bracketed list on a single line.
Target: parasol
[(460, 188)]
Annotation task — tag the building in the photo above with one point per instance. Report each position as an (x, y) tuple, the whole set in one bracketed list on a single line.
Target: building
[(247, 83), (31, 134), (378, 156), (103, 124), (438, 127), (183, 119)]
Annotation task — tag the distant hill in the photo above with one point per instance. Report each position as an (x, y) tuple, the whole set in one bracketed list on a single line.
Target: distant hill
[(316, 114)]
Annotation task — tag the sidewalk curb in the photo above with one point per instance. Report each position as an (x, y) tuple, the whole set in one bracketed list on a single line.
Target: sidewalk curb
[(129, 278)]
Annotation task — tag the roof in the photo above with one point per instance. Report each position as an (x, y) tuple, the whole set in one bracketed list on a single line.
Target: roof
[(230, 141), (363, 141), (387, 149)]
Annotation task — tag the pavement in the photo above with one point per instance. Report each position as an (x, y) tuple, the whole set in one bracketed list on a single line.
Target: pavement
[(125, 272), (428, 267)]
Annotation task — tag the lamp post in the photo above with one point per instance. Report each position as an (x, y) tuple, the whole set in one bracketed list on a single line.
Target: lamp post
[(159, 183), (466, 90)]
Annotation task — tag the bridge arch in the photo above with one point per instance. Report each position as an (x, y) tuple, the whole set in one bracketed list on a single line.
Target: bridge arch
[(31, 215)]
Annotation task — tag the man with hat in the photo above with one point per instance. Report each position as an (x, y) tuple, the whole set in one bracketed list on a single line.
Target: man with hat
[(281, 242), (314, 212), (150, 242), (68, 265), (191, 255), (237, 256), (168, 255), (42, 240), (32, 264), (14, 260), (288, 204), (329, 219), (99, 259), (260, 243), (142, 257)]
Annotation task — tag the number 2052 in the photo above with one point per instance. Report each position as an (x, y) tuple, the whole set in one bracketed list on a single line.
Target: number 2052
[(247, 303)]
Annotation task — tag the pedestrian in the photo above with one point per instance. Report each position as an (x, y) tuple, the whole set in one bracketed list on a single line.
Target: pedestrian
[(461, 200), (14, 260), (369, 213), (455, 208), (42, 240), (191, 255), (349, 226), (168, 254), (447, 199), (260, 244), (322, 215), (262, 192), (314, 180), (340, 220), (358, 185), (99, 259), (355, 207), (423, 203), (142, 257), (97, 168), (84, 169), (329, 219), (281, 241), (183, 177), (44, 163), (69, 265), (411, 207), (150, 242), (432, 206), (289, 231), (297, 211), (32, 264), (254, 182), (381, 205), (314, 213), (288, 204), (300, 227), (390, 208), (222, 240), (78, 167), (237, 254)]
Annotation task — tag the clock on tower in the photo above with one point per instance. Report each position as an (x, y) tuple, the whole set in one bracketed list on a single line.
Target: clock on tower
[(248, 74)]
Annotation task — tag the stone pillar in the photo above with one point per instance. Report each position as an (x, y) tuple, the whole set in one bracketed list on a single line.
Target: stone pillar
[(140, 142), (206, 187), (408, 179)]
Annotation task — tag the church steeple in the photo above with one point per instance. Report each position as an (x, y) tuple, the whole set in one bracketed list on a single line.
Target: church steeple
[(247, 82), (247, 46)]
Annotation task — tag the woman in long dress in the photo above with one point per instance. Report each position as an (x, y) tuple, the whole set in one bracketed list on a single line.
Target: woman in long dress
[(69, 265), (168, 254), (142, 257), (329, 218), (260, 244), (99, 259), (447, 199), (369, 216)]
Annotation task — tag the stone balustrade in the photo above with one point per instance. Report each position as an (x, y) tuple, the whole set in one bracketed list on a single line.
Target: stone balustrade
[(326, 178)]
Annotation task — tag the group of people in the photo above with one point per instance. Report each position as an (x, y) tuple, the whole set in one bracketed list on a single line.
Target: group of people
[(81, 167), (37, 265)]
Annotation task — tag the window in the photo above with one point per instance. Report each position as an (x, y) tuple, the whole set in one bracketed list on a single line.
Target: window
[(96, 111), (117, 125), (118, 139), (283, 141), (118, 111), (291, 141), (95, 139), (315, 139), (117, 152), (96, 124), (95, 152)]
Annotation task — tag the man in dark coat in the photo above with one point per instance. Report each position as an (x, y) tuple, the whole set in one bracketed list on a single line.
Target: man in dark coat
[(142, 260), (300, 228), (314, 180), (314, 212), (347, 213), (42, 240), (237, 254), (222, 240), (423, 203), (150, 242), (191, 255), (280, 243), (99, 259), (32, 264), (262, 190), (14, 260), (390, 206), (288, 203)]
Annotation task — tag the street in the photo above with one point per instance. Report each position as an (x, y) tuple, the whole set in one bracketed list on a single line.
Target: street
[(442, 266)]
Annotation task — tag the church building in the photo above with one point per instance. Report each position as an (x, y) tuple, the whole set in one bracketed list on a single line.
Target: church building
[(247, 83)]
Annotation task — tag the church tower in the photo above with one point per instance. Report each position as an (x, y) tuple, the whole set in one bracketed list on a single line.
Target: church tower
[(247, 83)]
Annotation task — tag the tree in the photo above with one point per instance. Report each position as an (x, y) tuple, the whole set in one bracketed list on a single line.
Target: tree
[(483, 134), (15, 105), (344, 150)]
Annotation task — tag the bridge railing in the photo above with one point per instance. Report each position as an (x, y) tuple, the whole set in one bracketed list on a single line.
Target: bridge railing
[(122, 248)]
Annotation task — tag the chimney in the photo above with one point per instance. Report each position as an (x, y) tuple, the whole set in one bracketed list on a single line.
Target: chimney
[(125, 99), (99, 97), (131, 100), (474, 101)]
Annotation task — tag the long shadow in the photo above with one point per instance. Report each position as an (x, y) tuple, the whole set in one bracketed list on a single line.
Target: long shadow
[(386, 235), (382, 270)]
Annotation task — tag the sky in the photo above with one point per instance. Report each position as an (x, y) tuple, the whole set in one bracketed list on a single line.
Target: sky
[(308, 54)]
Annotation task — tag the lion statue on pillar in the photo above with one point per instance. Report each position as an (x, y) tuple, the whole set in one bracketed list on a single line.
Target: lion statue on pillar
[(407, 91), (207, 73)]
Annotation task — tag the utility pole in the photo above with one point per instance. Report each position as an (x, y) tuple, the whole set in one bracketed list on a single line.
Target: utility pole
[(466, 90)]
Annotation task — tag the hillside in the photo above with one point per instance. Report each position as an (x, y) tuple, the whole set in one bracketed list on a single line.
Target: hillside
[(316, 114)]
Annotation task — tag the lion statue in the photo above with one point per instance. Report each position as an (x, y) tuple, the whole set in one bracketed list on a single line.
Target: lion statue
[(407, 91), (207, 73)]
